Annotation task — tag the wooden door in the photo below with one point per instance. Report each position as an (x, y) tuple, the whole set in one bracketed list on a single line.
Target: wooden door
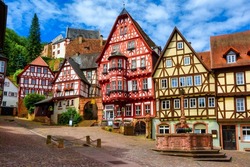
[(229, 137)]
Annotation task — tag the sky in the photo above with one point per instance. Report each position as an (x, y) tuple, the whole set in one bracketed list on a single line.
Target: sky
[(197, 20)]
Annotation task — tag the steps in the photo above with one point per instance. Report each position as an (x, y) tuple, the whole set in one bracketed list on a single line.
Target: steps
[(198, 155), (87, 123)]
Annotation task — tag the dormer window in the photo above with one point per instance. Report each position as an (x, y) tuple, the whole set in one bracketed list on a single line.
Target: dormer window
[(231, 57)]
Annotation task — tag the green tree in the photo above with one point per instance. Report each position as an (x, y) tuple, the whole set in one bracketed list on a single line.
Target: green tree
[(34, 46), (15, 50), (72, 114), (16, 74), (31, 99)]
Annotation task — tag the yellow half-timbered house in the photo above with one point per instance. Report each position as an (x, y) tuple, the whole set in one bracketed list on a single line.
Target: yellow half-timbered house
[(183, 82), (230, 61)]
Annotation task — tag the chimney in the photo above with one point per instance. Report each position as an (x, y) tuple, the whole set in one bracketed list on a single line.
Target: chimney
[(101, 40), (79, 39)]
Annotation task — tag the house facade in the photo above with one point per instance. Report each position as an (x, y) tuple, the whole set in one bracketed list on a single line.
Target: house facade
[(70, 85), (35, 78), (124, 74), (230, 61), (184, 85)]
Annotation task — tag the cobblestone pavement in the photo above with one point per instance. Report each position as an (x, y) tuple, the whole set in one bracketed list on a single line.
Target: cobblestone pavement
[(23, 143)]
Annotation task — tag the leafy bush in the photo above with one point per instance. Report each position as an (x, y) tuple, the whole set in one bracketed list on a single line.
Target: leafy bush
[(31, 99), (66, 116)]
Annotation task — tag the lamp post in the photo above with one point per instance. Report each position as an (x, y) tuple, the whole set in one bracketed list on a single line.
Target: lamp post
[(183, 117)]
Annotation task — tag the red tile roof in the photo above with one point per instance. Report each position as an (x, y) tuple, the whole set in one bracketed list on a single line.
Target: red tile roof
[(205, 57), (221, 45), (39, 62)]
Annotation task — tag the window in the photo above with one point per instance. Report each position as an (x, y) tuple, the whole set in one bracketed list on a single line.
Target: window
[(201, 102), (200, 128), (147, 108), (128, 110), (163, 129), (105, 68), (72, 102), (240, 104), (163, 83), (6, 84), (32, 69), (182, 81), (123, 30), (211, 102), (137, 110), (179, 45), (174, 82), (2, 66), (185, 103), (119, 85), (176, 103), (186, 60), (119, 113), (58, 51), (119, 63), (113, 63), (72, 85), (189, 81), (113, 85), (60, 104), (134, 85), (239, 78), (133, 64), (192, 103), (4, 103), (45, 71), (26, 81), (131, 45), (115, 48), (231, 57), (89, 75), (38, 70), (33, 81), (246, 133), (145, 84), (5, 93), (169, 63), (67, 103), (43, 82), (165, 104), (197, 80), (143, 62), (107, 88)]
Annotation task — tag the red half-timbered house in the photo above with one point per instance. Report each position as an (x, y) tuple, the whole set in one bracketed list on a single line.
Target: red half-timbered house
[(36, 77), (124, 73), (70, 85)]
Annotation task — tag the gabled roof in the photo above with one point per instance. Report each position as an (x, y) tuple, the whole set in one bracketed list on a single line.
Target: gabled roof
[(167, 44), (86, 61), (237, 42), (205, 57), (76, 68), (145, 37), (73, 33), (39, 62)]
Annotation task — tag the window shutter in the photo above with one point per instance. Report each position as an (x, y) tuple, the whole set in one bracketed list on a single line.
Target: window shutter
[(149, 83)]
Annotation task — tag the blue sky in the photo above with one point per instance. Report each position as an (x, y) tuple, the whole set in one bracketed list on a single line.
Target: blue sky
[(196, 19)]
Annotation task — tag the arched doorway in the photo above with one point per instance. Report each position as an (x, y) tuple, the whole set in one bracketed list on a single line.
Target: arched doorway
[(90, 111), (140, 128)]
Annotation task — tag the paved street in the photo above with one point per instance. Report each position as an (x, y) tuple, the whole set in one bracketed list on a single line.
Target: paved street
[(23, 143)]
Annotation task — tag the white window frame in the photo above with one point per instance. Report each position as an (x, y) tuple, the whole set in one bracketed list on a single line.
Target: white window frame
[(113, 85), (133, 64), (169, 63), (143, 64), (177, 104), (134, 85), (165, 104), (2, 66), (240, 78), (119, 63), (108, 88), (131, 45), (164, 84), (147, 108), (137, 110), (174, 82), (105, 67), (115, 48), (231, 58), (119, 85), (182, 81), (189, 81), (246, 133), (164, 129), (192, 102), (179, 45), (185, 103), (128, 111), (240, 104), (187, 60), (145, 83), (197, 80), (201, 102)]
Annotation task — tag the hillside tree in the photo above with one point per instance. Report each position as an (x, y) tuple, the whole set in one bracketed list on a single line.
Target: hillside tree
[(34, 46)]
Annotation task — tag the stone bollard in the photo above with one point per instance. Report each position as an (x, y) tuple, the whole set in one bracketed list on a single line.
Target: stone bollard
[(99, 143), (88, 139), (48, 141), (60, 143)]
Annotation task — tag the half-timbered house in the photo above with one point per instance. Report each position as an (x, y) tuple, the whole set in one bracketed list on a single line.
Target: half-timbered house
[(36, 77), (184, 84), (124, 73), (70, 85), (230, 61)]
